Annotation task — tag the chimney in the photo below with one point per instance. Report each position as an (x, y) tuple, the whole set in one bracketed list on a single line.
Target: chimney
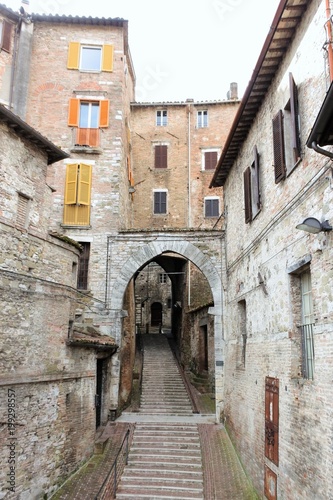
[(25, 7), (232, 94)]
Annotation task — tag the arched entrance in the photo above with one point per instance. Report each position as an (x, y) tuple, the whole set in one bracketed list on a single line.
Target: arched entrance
[(144, 249)]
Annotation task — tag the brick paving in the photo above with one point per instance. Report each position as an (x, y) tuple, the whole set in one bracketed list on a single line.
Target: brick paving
[(85, 484), (224, 477)]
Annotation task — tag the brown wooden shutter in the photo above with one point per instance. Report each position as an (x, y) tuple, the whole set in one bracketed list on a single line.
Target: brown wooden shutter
[(210, 160), (247, 195), (6, 35), (256, 179), (296, 143), (278, 147), (272, 419), (161, 156)]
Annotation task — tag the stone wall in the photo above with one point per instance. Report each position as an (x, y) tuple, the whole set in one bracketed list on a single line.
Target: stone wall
[(262, 313)]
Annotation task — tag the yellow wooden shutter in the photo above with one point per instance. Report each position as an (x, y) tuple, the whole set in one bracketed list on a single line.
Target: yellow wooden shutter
[(104, 113), (84, 185), (73, 55), (73, 112), (107, 60), (71, 184)]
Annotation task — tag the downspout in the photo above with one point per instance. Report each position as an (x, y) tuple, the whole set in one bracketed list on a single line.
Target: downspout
[(320, 150), (329, 36), (189, 201), (12, 76)]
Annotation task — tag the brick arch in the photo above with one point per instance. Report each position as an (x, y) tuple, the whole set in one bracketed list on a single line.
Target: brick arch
[(151, 250)]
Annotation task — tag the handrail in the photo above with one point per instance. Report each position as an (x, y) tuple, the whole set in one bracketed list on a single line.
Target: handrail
[(109, 487)]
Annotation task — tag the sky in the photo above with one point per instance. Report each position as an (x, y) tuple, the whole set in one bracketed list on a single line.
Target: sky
[(182, 49)]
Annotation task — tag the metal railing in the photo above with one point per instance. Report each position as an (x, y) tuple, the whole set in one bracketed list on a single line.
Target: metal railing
[(109, 487), (307, 351)]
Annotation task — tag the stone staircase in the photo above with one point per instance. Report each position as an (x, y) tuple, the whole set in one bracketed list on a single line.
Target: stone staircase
[(164, 460), (163, 390)]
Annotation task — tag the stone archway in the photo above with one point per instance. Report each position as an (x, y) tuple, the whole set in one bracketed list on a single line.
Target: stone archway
[(140, 252)]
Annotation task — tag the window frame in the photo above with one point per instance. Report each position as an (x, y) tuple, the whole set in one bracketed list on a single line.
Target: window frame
[(5, 35), (251, 183), (82, 59), (160, 203), (202, 118), (205, 152), (77, 194), (286, 135), (88, 136), (211, 199), (74, 56), (161, 119), (161, 156)]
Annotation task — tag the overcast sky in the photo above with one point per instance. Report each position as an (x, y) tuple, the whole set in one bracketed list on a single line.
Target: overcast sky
[(182, 48)]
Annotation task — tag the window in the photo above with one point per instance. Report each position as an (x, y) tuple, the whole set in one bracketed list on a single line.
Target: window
[(161, 118), (82, 276), (77, 195), (163, 277), (307, 326), (286, 135), (23, 205), (160, 202), (88, 117), (272, 419), (241, 343), (211, 207), (252, 199), (303, 312), (161, 156), (5, 35), (90, 57), (209, 160), (202, 119)]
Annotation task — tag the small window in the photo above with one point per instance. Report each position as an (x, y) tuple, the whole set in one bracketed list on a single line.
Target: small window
[(163, 277), (307, 338), (77, 195), (5, 35), (82, 276), (90, 57), (212, 207), (161, 156), (22, 214), (161, 118), (88, 117), (209, 160), (160, 202), (286, 135), (202, 119), (252, 199)]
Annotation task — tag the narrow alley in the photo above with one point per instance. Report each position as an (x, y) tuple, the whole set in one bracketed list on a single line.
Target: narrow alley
[(176, 451)]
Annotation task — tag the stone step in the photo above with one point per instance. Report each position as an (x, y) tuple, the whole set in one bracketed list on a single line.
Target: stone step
[(156, 495)]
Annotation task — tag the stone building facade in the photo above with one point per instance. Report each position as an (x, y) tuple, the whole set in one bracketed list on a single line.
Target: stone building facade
[(46, 431), (278, 303)]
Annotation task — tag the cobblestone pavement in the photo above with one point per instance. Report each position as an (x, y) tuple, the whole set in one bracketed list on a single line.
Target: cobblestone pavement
[(224, 478)]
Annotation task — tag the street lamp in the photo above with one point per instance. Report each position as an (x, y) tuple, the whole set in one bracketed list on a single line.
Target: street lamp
[(312, 225)]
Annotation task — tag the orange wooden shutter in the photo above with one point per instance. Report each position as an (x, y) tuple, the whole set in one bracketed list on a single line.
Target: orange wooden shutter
[(104, 113), (73, 55), (73, 112), (84, 185), (107, 58), (71, 184)]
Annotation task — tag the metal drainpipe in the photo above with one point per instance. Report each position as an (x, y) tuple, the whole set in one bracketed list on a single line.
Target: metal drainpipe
[(329, 35), (189, 200), (17, 32)]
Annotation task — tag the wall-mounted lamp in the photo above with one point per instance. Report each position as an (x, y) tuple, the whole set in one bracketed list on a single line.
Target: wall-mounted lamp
[(312, 225), (131, 190)]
